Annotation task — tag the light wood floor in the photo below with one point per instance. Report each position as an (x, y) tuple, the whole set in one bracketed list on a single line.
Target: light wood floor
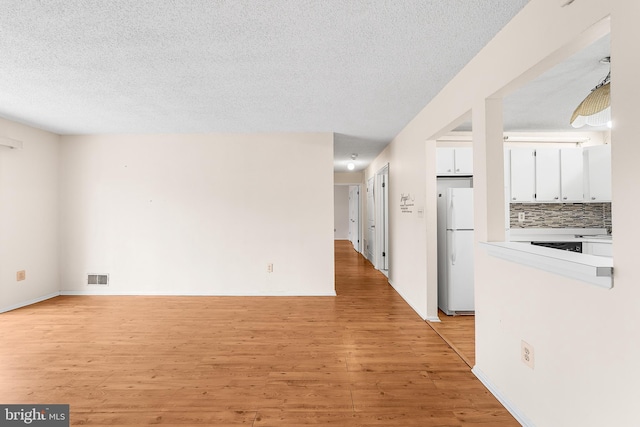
[(460, 333), (363, 358)]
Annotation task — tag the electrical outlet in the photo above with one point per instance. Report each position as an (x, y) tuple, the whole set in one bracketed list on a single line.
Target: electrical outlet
[(21, 275), (526, 354), (270, 267), (520, 216)]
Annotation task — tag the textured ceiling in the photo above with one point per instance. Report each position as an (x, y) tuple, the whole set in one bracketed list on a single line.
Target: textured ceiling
[(359, 68), (547, 102)]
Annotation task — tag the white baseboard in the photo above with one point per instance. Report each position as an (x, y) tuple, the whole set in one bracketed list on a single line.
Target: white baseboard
[(97, 292), (519, 416), (29, 302), (88, 293), (422, 316), (433, 319)]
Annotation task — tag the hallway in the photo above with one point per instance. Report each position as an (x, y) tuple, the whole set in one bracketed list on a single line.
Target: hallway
[(363, 358), (420, 379)]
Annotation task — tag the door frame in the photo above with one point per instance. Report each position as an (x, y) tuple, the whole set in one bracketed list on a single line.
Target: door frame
[(358, 245), (369, 249), (381, 203)]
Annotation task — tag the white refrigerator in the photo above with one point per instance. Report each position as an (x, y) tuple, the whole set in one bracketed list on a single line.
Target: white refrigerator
[(455, 250)]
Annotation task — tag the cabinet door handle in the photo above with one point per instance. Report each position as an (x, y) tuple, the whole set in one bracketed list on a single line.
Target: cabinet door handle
[(514, 198), (458, 170), (448, 170), (556, 198), (593, 198), (564, 198)]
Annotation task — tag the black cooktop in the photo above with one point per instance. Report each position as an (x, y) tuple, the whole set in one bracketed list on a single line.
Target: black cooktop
[(565, 246)]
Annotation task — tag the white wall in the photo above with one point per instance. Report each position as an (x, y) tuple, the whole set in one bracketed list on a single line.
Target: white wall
[(577, 330), (584, 337), (198, 214), (28, 216), (407, 231), (354, 178), (341, 212)]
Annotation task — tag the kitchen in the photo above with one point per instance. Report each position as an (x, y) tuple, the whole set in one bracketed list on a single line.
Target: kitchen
[(557, 210), (558, 196), (557, 175), (557, 193)]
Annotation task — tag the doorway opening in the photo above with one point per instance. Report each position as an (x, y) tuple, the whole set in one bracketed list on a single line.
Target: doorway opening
[(459, 331)]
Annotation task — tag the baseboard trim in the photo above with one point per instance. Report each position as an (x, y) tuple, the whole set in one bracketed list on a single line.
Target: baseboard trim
[(183, 294), (29, 302), (509, 406), (433, 319), (422, 316)]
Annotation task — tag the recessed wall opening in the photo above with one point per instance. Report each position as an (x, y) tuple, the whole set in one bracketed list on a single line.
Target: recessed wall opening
[(536, 122), (559, 179)]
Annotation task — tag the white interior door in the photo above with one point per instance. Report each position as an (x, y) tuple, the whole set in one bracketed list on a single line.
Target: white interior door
[(384, 196), (354, 216), (371, 221), (382, 220)]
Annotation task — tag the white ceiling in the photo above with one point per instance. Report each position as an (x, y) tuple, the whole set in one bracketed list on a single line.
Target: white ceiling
[(359, 68), (547, 102)]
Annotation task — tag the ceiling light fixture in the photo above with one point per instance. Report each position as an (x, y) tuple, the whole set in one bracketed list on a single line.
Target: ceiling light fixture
[(595, 109), (351, 165)]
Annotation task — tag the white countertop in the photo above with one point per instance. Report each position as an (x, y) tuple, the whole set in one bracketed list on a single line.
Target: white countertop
[(597, 270)]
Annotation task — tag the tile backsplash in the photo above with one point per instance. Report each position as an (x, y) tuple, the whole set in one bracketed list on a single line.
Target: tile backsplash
[(562, 215)]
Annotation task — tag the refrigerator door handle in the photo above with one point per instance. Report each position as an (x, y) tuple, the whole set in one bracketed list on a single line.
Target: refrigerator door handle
[(452, 212), (453, 247)]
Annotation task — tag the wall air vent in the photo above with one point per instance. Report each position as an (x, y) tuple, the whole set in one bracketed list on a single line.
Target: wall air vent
[(98, 279)]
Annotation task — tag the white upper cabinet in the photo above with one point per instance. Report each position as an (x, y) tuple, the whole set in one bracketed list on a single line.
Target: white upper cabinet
[(559, 175), (445, 161), (597, 173), (523, 173), (454, 161), (571, 174), (464, 160), (547, 175)]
